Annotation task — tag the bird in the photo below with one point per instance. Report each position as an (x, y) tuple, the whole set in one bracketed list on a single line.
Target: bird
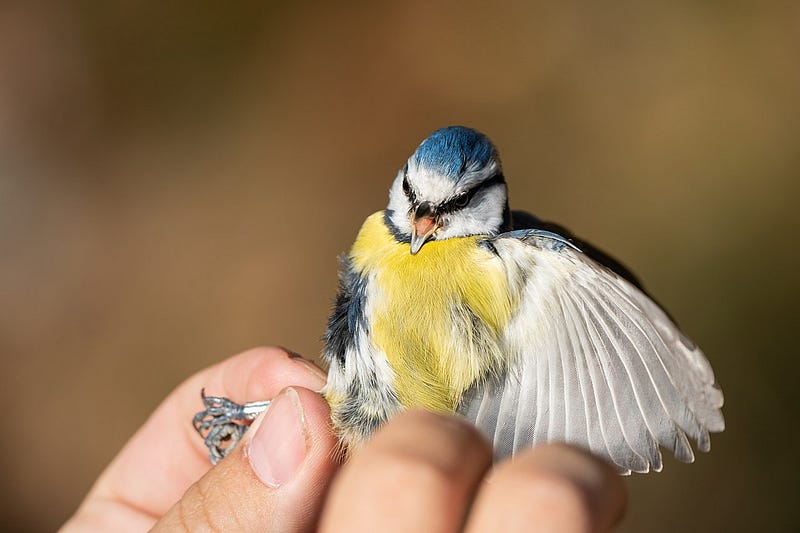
[(450, 301)]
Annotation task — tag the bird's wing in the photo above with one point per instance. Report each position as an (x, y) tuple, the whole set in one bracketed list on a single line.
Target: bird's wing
[(592, 361)]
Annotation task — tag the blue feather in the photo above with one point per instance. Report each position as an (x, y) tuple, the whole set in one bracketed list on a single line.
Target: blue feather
[(454, 150), (545, 239)]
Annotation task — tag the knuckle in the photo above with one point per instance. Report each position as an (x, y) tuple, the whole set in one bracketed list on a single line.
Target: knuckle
[(558, 492), (408, 469)]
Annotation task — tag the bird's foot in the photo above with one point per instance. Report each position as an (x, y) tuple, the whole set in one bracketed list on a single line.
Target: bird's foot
[(223, 423)]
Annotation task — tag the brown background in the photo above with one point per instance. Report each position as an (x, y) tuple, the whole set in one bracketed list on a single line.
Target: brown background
[(176, 183)]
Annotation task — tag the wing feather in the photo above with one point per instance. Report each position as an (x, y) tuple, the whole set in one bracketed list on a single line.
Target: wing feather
[(620, 354), (606, 423), (503, 440), (623, 405), (592, 361), (488, 408), (526, 406), (574, 403), (661, 388), (542, 389), (556, 414)]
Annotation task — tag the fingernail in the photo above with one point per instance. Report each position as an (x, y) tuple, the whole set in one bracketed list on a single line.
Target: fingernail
[(278, 447), (311, 367)]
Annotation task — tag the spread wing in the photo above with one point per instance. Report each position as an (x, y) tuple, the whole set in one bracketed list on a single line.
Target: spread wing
[(592, 361)]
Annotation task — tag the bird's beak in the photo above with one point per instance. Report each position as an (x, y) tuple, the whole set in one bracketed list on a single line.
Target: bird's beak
[(424, 224)]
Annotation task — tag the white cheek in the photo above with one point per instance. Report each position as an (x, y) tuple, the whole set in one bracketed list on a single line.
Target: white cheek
[(399, 204), (483, 216)]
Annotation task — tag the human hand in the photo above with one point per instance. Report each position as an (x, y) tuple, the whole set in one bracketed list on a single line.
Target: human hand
[(433, 473), (421, 472), (166, 462)]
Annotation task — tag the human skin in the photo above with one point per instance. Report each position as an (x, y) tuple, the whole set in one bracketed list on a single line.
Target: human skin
[(420, 472)]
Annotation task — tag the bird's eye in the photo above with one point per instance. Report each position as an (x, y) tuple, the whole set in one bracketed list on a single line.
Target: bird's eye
[(461, 200)]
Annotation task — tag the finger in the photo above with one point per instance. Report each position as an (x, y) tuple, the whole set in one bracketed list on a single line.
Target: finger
[(257, 374), (166, 455), (550, 488), (418, 473), (274, 481)]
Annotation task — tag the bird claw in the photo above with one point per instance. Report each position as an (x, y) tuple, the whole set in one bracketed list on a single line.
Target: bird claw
[(223, 422)]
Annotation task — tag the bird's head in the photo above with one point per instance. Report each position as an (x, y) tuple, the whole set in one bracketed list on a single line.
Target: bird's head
[(451, 186)]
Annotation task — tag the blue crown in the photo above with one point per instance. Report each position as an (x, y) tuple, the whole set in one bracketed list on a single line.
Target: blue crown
[(454, 150)]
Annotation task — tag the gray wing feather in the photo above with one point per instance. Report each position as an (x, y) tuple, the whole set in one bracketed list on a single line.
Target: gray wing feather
[(574, 399), (604, 425), (592, 361), (615, 418)]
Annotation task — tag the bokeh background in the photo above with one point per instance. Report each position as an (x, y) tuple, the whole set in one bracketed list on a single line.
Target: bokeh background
[(177, 179)]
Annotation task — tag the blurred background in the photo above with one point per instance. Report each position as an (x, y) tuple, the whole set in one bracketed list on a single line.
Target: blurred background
[(177, 180)]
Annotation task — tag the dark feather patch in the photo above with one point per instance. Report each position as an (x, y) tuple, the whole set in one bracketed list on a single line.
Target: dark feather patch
[(398, 235), (523, 220), (347, 315)]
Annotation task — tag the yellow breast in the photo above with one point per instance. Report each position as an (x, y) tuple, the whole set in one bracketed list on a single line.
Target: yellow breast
[(437, 315)]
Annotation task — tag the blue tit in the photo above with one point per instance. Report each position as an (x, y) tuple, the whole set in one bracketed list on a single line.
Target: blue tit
[(451, 302)]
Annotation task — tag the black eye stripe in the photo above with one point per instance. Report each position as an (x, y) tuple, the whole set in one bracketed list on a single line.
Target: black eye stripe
[(409, 192), (459, 201)]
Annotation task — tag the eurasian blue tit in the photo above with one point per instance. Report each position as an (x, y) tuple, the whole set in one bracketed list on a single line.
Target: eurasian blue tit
[(451, 302)]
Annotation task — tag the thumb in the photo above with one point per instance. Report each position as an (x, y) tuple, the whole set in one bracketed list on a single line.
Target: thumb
[(275, 479)]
